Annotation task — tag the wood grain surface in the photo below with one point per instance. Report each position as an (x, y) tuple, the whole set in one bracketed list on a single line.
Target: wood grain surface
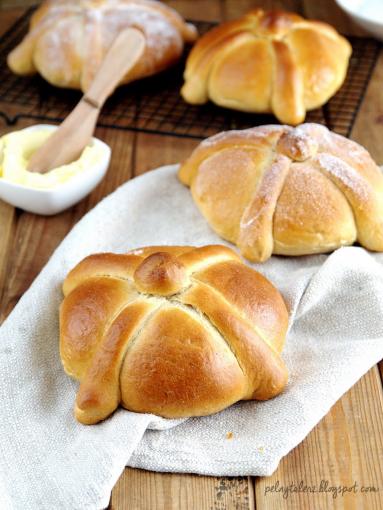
[(346, 447)]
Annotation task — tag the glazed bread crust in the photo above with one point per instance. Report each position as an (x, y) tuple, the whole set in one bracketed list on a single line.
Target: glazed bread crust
[(287, 191), (268, 61), (68, 39), (174, 331)]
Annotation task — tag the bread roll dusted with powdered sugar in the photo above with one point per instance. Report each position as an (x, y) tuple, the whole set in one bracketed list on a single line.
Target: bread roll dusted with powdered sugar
[(68, 39), (287, 191)]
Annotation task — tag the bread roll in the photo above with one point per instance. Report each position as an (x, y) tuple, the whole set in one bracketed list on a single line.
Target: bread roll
[(172, 330), (68, 39), (268, 61), (287, 191)]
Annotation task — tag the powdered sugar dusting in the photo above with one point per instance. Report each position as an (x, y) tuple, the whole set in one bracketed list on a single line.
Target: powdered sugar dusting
[(51, 52), (332, 187), (255, 134), (137, 13), (335, 144), (297, 144), (267, 193), (303, 199), (345, 174), (162, 26), (161, 36)]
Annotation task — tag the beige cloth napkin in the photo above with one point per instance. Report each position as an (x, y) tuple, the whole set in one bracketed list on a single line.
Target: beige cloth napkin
[(49, 461)]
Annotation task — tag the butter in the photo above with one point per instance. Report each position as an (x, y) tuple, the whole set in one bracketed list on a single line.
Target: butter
[(16, 149)]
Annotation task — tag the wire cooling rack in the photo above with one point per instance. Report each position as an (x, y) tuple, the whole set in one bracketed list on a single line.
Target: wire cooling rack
[(154, 105)]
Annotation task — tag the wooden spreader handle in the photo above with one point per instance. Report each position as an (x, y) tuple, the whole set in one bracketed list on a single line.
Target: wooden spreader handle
[(74, 134)]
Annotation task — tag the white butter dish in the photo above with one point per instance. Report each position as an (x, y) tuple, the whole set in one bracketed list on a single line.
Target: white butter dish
[(366, 13), (52, 201)]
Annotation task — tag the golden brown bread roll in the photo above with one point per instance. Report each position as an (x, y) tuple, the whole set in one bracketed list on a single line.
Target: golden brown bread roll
[(287, 191), (68, 39), (172, 330), (268, 61)]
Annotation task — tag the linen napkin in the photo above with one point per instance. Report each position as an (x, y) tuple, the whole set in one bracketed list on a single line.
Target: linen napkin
[(49, 461)]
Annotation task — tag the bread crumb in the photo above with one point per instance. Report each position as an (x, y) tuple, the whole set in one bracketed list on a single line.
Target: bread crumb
[(260, 449), (229, 435)]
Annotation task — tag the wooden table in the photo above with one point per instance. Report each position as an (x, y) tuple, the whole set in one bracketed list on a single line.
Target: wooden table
[(347, 445)]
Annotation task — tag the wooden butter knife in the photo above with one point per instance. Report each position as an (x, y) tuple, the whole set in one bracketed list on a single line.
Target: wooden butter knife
[(73, 135)]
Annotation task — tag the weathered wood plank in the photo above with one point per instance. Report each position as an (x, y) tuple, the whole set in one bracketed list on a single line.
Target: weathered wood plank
[(335, 453), (328, 11), (8, 219), (16, 4), (208, 10), (368, 128), (234, 9), (8, 17), (137, 489), (7, 212), (7, 229), (153, 151)]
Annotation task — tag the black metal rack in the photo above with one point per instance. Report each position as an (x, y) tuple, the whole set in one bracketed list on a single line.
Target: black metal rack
[(154, 105)]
